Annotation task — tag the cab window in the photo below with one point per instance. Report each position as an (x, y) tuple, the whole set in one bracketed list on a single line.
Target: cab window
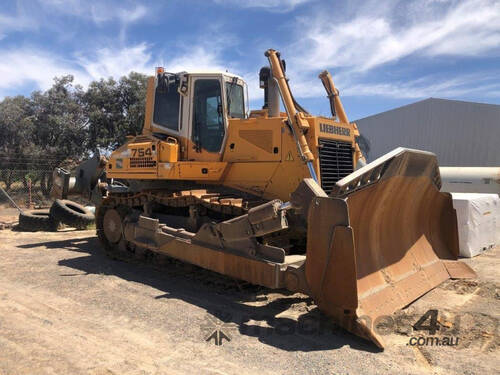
[(166, 106), (235, 100), (208, 120)]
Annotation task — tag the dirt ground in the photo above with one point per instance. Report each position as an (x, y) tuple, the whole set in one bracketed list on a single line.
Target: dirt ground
[(8, 217), (65, 308)]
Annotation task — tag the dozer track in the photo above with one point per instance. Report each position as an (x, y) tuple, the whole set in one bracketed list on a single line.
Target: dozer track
[(125, 203), (128, 252), (117, 210), (123, 207), (229, 204)]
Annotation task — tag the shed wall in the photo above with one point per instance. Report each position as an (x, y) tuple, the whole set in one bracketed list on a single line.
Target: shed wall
[(459, 133)]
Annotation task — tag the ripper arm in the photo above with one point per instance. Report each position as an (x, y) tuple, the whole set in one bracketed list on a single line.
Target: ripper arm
[(338, 109)]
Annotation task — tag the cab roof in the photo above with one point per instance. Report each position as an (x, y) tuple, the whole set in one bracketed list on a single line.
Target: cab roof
[(209, 72)]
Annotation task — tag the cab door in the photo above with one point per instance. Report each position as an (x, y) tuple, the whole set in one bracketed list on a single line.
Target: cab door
[(208, 122)]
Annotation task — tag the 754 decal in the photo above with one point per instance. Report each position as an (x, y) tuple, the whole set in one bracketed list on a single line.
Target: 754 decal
[(141, 152)]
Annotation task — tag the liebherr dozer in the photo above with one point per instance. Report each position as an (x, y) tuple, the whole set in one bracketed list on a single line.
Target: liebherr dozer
[(279, 199)]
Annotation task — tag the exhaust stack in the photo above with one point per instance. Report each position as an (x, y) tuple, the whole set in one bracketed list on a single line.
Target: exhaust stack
[(271, 92)]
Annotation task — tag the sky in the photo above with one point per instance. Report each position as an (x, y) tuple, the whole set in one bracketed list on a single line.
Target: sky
[(382, 54)]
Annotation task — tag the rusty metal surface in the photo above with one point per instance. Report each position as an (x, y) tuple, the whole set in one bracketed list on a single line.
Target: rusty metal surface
[(402, 228), (459, 270), (385, 244)]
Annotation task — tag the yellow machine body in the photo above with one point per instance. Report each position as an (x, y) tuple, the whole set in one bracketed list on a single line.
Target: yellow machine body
[(259, 156)]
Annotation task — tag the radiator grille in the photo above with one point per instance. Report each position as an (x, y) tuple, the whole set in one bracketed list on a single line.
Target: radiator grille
[(147, 162), (335, 162)]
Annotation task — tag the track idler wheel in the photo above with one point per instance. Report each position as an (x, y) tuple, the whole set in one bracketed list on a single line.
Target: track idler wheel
[(112, 226), (109, 225)]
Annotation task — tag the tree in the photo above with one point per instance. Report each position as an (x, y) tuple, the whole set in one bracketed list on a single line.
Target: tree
[(16, 126), (114, 110), (65, 124), (103, 111), (60, 126), (133, 99)]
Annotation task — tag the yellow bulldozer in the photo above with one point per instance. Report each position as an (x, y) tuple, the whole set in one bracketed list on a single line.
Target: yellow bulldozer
[(279, 199)]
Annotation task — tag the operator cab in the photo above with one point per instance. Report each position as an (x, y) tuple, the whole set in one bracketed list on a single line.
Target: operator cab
[(194, 108)]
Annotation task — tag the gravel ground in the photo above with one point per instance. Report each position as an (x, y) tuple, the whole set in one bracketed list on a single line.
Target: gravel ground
[(67, 309), (8, 217)]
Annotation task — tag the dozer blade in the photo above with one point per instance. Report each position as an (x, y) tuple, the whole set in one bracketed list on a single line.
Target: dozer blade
[(384, 237)]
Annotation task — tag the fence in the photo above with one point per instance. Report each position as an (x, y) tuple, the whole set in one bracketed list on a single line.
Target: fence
[(27, 188)]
